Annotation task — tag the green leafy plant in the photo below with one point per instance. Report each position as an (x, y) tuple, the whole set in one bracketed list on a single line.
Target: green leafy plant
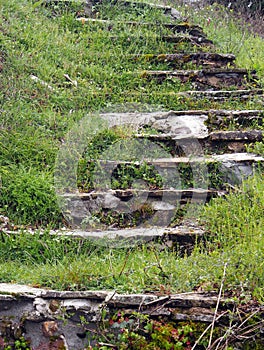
[(19, 344), (140, 332)]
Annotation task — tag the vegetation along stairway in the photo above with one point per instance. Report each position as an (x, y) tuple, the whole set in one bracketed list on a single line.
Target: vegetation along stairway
[(181, 134)]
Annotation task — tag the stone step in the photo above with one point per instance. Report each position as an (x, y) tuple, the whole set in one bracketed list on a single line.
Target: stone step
[(167, 10), (143, 208), (204, 78), (176, 39), (211, 95), (206, 59), (222, 95), (191, 123), (238, 158), (183, 236), (194, 40), (40, 313), (187, 28), (124, 195), (185, 180), (194, 174), (132, 200), (244, 136)]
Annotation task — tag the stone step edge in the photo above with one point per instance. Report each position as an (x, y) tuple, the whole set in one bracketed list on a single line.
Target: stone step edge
[(224, 112), (225, 136), (184, 56), (155, 193), (175, 14), (221, 95), (138, 233), (184, 27), (212, 94), (182, 234), (176, 39), (182, 238), (47, 316), (88, 6), (15, 291), (194, 40), (210, 112), (197, 72), (51, 304), (228, 157)]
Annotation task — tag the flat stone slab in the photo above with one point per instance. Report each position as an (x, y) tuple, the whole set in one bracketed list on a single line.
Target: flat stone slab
[(164, 162), (205, 77), (233, 167), (53, 319), (18, 292), (177, 39), (187, 123), (157, 193), (157, 207), (182, 125), (184, 236), (206, 59), (167, 10), (194, 40), (246, 135), (174, 234), (216, 136), (222, 95), (174, 123), (176, 28)]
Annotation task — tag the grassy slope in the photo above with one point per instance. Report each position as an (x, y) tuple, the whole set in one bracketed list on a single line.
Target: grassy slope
[(35, 119)]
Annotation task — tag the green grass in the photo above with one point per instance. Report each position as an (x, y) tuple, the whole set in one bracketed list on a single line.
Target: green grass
[(230, 34), (49, 43)]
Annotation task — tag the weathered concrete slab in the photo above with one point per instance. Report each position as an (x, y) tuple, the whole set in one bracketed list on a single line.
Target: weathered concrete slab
[(247, 135), (222, 95), (216, 136), (53, 320), (206, 59), (221, 119), (194, 40), (192, 142), (199, 41), (176, 28), (203, 78), (183, 237), (139, 208), (233, 167), (157, 207), (157, 193), (181, 234), (50, 319), (167, 10), (189, 122), (177, 124), (236, 157)]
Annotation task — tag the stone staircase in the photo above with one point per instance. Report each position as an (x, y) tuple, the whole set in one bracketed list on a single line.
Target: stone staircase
[(206, 149), (205, 156)]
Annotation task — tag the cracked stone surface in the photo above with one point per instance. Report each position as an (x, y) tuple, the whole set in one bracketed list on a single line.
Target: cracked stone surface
[(51, 319)]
